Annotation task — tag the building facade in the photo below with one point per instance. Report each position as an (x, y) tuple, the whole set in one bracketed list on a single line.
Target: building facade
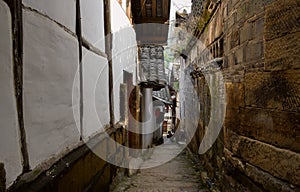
[(254, 45)]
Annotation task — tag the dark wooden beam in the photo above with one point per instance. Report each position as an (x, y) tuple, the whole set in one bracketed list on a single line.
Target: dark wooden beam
[(139, 20), (17, 33), (79, 37), (108, 51), (154, 8)]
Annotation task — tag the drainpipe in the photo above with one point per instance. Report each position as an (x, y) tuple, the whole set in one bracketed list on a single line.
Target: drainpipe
[(148, 120), (108, 51)]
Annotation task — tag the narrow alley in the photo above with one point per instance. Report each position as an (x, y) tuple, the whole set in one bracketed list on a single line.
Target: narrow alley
[(150, 95), (178, 174)]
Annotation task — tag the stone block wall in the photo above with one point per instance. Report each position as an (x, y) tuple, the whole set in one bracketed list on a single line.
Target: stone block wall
[(259, 145)]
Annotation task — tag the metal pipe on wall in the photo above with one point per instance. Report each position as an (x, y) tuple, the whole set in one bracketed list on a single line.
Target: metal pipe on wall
[(147, 117)]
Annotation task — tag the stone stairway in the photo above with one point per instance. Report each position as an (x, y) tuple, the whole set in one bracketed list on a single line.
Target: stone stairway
[(176, 175)]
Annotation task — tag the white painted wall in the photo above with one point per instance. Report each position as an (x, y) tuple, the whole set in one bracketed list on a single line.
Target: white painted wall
[(51, 60), (10, 153), (119, 19), (63, 12), (50, 63), (95, 93), (92, 22), (124, 50), (124, 5)]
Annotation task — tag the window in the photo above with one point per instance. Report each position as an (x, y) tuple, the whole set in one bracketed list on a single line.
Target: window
[(159, 8), (148, 8)]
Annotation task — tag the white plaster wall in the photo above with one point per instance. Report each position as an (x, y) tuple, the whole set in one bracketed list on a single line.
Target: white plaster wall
[(118, 16), (50, 64), (92, 22), (95, 94), (124, 50), (10, 153), (62, 11), (124, 5)]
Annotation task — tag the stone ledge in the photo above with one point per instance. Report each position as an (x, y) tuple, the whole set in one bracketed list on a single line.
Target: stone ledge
[(268, 182), (236, 162), (278, 162), (281, 129)]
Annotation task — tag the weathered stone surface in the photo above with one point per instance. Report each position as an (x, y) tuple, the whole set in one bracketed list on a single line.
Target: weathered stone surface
[(255, 66), (231, 20), (234, 2), (50, 64), (231, 140), (282, 34), (235, 95), (234, 38), (242, 12), (274, 90), (231, 61), (259, 28), (10, 153), (246, 32), (234, 100), (267, 109), (92, 22), (254, 51), (235, 162), (281, 129), (255, 6), (63, 12), (239, 55), (232, 119), (283, 53), (282, 17), (219, 23), (268, 182), (175, 175), (278, 162)]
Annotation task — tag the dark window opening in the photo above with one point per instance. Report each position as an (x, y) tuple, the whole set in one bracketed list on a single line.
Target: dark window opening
[(148, 8), (159, 8)]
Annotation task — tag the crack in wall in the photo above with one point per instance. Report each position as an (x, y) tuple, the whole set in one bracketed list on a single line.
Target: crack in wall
[(49, 18)]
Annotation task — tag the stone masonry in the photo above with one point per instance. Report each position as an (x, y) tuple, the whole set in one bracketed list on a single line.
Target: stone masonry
[(259, 145)]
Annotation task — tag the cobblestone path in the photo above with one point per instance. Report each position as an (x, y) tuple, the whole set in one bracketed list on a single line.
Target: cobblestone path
[(177, 175)]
